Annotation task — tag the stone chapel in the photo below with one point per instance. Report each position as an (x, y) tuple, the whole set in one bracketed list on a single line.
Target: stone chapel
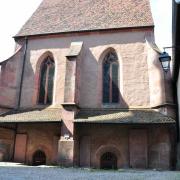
[(85, 88)]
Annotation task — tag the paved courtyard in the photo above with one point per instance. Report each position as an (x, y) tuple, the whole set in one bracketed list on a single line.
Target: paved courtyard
[(19, 172)]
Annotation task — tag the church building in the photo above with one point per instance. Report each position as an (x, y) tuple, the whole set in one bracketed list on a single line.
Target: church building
[(85, 88)]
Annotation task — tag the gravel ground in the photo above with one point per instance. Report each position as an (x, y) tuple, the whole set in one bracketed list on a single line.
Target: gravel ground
[(19, 172)]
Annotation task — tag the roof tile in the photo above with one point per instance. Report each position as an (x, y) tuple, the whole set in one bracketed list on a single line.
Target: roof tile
[(142, 116), (57, 16), (32, 115)]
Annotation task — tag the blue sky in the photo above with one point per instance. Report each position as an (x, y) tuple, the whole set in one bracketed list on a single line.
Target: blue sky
[(13, 14)]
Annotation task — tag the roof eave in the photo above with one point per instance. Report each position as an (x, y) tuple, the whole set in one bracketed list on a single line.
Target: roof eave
[(40, 121), (83, 31), (122, 123)]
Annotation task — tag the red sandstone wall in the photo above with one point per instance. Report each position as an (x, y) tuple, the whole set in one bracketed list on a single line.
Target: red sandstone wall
[(43, 137), (132, 56), (6, 144), (10, 79), (117, 139), (141, 82)]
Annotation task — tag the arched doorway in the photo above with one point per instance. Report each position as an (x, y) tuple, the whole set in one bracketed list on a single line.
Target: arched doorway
[(39, 158), (108, 161)]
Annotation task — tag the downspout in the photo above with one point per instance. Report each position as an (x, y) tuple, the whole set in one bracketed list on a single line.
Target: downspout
[(20, 91)]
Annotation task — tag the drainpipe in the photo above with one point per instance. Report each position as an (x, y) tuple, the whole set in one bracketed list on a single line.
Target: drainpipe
[(20, 91)]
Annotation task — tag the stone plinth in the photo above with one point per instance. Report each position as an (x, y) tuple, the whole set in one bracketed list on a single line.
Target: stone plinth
[(65, 152)]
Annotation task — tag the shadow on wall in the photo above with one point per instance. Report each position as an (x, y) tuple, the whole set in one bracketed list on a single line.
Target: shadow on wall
[(95, 74), (160, 82), (90, 65), (38, 81), (100, 80), (10, 72), (90, 68)]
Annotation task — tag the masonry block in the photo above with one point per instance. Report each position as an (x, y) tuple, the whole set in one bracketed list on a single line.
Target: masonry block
[(65, 152)]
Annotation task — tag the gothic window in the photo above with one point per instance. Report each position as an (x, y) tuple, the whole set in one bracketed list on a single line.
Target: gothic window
[(46, 81), (110, 78)]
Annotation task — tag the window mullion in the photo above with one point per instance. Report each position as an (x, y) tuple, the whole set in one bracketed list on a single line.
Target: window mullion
[(110, 85), (46, 85)]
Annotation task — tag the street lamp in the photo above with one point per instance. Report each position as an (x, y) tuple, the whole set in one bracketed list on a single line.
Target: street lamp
[(165, 59)]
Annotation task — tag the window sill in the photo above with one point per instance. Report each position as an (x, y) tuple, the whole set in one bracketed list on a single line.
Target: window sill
[(111, 105), (43, 105)]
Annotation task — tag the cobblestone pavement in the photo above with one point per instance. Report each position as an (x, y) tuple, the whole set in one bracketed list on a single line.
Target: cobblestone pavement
[(18, 172)]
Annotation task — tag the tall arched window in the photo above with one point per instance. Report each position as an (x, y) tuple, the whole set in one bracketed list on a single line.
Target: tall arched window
[(46, 81), (110, 78)]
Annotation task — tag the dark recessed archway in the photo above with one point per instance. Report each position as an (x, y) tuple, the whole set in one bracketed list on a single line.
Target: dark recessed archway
[(39, 158), (108, 161)]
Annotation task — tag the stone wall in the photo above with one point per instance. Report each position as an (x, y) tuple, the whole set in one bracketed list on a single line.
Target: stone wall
[(141, 85), (135, 146), (134, 76), (40, 136), (6, 144), (141, 81), (10, 74)]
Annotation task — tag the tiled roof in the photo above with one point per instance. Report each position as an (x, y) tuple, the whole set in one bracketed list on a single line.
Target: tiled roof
[(4, 110), (142, 116), (57, 16), (33, 115)]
